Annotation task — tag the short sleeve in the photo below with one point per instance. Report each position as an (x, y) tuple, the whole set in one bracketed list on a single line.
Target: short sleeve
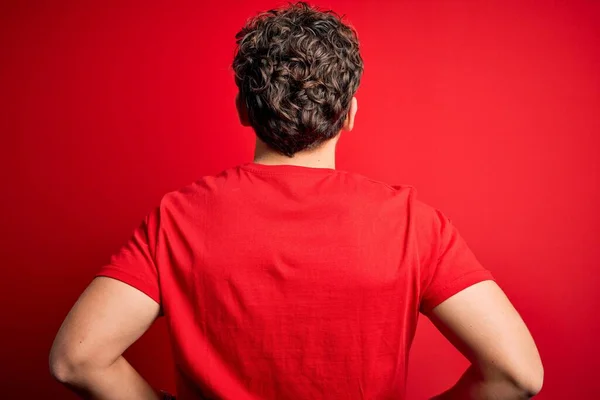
[(452, 268), (134, 263)]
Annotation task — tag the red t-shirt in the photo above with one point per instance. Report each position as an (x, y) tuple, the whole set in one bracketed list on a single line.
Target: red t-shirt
[(290, 282)]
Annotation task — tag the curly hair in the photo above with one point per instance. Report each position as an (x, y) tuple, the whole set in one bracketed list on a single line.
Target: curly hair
[(297, 69)]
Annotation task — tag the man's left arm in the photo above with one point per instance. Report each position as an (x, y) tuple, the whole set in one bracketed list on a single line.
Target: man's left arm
[(87, 353)]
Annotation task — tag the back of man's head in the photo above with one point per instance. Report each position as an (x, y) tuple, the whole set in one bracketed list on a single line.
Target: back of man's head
[(297, 69)]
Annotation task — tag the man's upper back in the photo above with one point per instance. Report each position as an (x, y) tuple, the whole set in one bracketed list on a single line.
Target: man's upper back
[(282, 281)]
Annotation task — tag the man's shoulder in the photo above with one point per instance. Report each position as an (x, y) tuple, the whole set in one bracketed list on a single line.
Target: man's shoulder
[(196, 191), (418, 206), (370, 184)]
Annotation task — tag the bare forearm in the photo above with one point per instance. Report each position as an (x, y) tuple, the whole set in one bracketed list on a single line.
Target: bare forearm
[(473, 385), (118, 381)]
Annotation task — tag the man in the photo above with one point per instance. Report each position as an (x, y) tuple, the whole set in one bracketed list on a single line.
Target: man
[(285, 278)]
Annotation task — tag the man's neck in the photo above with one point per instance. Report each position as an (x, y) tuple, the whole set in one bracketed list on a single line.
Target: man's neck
[(296, 160), (322, 157)]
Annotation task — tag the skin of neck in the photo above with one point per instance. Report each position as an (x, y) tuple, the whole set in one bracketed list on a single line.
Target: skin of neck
[(320, 157)]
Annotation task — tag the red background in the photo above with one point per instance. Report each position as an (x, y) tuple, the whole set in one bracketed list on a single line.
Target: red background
[(490, 110)]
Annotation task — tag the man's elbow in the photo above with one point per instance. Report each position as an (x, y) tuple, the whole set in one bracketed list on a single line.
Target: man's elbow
[(67, 367), (61, 368), (525, 382), (531, 383), (519, 379)]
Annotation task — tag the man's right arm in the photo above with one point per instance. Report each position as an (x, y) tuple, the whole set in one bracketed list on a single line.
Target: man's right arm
[(482, 323)]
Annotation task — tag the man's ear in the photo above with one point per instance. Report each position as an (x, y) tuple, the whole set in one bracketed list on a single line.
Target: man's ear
[(349, 122), (242, 110)]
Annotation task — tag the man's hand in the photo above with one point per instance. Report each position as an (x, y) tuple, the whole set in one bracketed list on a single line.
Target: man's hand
[(87, 353)]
